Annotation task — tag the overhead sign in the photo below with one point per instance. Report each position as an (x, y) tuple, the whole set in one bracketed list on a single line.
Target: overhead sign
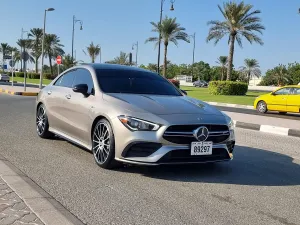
[(58, 60)]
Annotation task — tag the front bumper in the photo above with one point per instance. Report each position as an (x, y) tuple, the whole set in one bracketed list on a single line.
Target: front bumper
[(150, 148)]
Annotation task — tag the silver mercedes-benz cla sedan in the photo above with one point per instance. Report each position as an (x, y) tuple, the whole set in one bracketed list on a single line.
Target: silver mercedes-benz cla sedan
[(132, 115)]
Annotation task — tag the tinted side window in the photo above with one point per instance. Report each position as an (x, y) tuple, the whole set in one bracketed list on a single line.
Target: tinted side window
[(296, 91), (283, 91), (67, 79), (57, 82), (83, 76)]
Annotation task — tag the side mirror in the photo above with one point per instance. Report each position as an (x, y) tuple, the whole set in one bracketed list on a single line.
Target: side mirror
[(81, 88), (184, 92)]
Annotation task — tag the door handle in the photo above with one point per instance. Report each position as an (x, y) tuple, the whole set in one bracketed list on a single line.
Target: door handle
[(49, 92), (68, 96)]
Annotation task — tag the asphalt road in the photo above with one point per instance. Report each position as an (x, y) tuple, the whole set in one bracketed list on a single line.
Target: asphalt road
[(289, 116), (260, 186)]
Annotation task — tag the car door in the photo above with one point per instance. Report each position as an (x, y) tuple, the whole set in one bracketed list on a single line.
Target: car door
[(61, 111), (78, 107), (54, 101), (278, 100), (293, 100)]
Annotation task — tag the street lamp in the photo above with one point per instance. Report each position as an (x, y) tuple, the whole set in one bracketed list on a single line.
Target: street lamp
[(159, 38), (136, 46), (194, 38), (43, 43), (74, 22)]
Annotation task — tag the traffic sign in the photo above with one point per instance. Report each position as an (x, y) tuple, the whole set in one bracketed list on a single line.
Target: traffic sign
[(11, 63), (58, 60), (25, 56)]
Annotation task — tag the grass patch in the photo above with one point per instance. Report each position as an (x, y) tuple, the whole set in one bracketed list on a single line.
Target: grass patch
[(203, 95), (33, 81)]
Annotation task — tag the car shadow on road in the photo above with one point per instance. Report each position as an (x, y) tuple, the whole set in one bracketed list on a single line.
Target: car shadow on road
[(250, 166)]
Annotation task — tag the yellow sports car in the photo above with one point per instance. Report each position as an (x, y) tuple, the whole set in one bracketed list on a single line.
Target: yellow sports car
[(284, 99)]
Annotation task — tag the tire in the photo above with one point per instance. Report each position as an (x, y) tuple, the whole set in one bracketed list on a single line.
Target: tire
[(103, 145), (261, 107), (42, 124), (282, 113)]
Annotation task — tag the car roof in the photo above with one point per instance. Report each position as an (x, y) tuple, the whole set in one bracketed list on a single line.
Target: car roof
[(107, 66)]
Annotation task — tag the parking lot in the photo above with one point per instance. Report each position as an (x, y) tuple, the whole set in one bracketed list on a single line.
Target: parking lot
[(260, 186)]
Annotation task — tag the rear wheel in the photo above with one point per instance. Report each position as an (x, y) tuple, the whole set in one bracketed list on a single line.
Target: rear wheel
[(103, 144), (42, 124), (261, 107)]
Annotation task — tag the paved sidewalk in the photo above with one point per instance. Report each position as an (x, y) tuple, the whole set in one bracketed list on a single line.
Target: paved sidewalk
[(23, 202), (13, 210)]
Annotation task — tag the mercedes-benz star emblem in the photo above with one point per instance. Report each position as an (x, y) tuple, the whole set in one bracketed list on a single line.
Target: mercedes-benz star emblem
[(201, 134)]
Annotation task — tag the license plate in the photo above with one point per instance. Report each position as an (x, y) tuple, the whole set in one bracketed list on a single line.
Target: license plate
[(201, 148)]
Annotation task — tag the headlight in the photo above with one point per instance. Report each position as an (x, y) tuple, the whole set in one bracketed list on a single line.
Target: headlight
[(135, 124), (229, 121)]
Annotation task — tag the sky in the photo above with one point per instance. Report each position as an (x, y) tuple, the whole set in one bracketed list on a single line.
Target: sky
[(116, 24)]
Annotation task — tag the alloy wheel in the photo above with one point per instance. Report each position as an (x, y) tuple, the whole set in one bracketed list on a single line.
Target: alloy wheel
[(101, 142), (41, 120), (262, 107)]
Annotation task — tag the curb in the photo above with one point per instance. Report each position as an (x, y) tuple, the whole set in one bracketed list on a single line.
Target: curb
[(46, 208), (24, 93), (231, 105), (268, 129)]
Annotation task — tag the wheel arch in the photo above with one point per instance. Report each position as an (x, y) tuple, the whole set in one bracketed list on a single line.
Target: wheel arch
[(99, 117)]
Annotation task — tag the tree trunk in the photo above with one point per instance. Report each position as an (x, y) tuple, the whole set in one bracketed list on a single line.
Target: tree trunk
[(222, 72), (36, 64), (230, 58), (165, 59), (93, 59), (50, 62), (249, 74)]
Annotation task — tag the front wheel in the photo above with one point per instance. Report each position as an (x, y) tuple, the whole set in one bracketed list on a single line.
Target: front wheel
[(103, 144), (261, 107), (42, 124)]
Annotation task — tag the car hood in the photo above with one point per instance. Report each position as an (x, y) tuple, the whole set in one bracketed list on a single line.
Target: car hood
[(162, 105)]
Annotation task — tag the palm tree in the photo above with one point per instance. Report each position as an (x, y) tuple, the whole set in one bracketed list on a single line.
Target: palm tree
[(170, 31), (123, 59), (251, 69), (17, 55), (280, 73), (223, 61), (36, 45), (240, 21), (93, 51), (25, 44), (53, 48), (4, 48), (68, 62)]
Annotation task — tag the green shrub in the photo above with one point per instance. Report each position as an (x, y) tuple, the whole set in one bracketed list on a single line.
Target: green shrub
[(227, 88), (19, 74), (8, 73), (33, 75), (49, 76)]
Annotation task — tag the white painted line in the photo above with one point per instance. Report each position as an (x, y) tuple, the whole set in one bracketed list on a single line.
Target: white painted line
[(274, 130)]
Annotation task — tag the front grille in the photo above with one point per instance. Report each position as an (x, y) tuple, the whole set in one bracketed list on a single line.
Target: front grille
[(177, 156), (140, 149), (183, 134)]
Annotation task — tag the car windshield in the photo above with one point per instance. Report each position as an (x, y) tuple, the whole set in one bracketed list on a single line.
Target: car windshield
[(134, 82)]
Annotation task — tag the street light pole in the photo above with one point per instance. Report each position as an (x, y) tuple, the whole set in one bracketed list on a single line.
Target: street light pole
[(159, 37), (100, 54), (136, 52), (73, 31), (43, 43), (22, 32), (194, 37)]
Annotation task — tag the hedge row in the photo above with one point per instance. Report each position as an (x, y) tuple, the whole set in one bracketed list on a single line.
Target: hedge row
[(227, 88), (175, 82), (48, 76)]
